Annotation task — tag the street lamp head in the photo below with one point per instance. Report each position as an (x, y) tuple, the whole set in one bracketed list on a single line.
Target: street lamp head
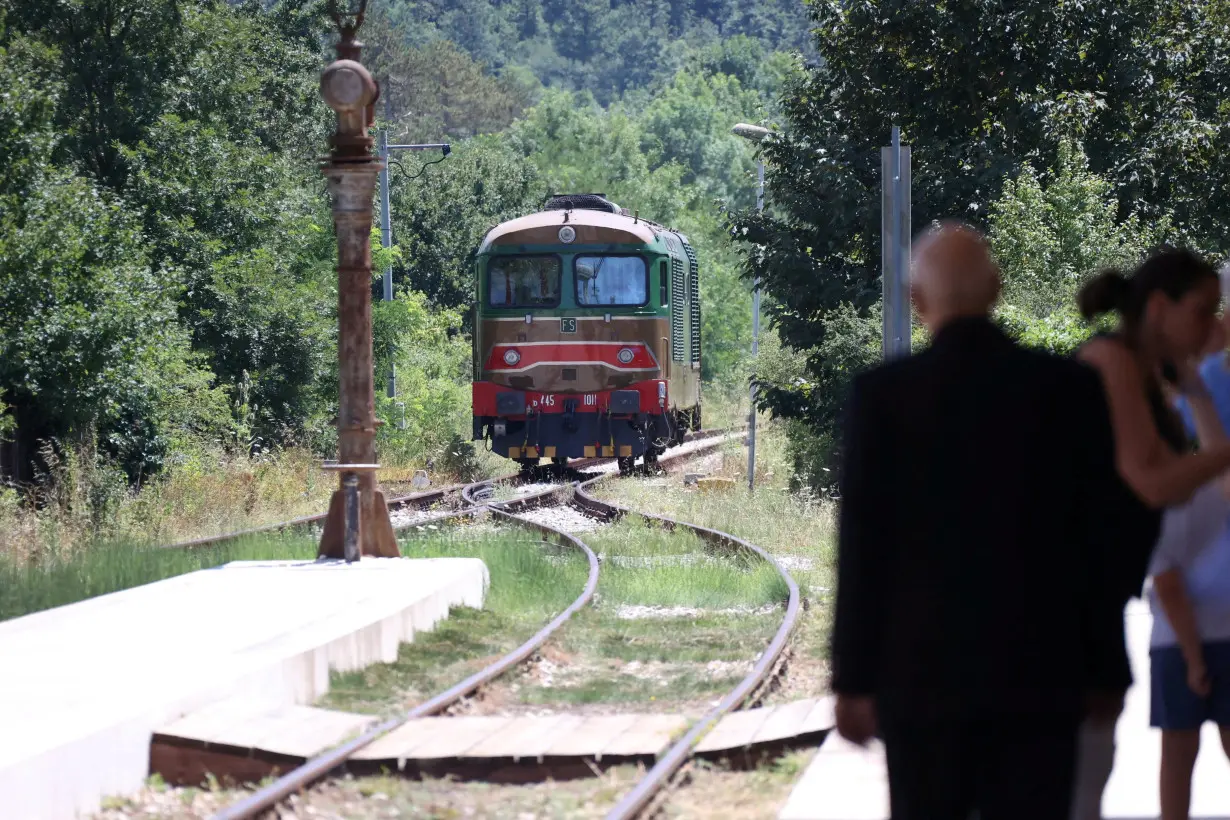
[(750, 132)]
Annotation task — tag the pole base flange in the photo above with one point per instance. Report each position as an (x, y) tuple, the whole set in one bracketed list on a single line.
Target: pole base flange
[(376, 537)]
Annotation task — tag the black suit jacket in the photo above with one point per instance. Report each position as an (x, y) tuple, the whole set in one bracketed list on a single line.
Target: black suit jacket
[(974, 501)]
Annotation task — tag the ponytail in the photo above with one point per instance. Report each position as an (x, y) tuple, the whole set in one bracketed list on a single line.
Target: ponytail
[(1106, 292), (1173, 271)]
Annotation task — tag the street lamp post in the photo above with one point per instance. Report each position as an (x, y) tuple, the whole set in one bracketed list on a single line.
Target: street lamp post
[(386, 219), (756, 134)]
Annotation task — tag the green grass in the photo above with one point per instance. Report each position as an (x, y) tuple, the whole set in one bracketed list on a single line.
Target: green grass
[(792, 527), (710, 579), (529, 576), (531, 582), (57, 579), (669, 661), (708, 638)]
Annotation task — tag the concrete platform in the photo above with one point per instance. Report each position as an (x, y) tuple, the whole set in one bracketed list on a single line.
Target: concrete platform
[(84, 686), (845, 782)]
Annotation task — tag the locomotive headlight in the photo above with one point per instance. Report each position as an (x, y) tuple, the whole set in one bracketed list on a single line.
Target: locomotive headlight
[(626, 355), (511, 357)]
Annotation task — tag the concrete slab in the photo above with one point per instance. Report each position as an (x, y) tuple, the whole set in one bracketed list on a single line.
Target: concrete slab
[(844, 782), (84, 686)]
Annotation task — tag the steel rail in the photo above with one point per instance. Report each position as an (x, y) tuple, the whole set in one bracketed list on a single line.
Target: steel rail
[(635, 801), (423, 499), (468, 493), (321, 765)]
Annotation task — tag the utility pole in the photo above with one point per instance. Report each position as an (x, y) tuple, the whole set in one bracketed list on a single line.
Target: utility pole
[(895, 246), (358, 518), (756, 134), (386, 218)]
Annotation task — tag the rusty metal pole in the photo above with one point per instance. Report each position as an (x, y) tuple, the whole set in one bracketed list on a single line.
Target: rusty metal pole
[(351, 171)]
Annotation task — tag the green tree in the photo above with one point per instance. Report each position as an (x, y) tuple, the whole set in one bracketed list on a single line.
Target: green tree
[(1050, 236), (441, 213), (89, 345), (979, 89), (606, 47), (578, 146), (115, 57), (436, 90), (689, 121)]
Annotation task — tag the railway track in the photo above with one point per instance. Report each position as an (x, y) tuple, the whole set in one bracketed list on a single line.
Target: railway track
[(459, 495), (574, 487)]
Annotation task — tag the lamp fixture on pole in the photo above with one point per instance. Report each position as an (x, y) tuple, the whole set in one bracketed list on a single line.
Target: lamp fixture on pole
[(386, 218)]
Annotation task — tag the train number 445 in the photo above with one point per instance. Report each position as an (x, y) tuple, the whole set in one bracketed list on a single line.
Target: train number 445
[(548, 400)]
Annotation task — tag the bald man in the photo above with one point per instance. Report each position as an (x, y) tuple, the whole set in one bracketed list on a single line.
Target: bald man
[(969, 555)]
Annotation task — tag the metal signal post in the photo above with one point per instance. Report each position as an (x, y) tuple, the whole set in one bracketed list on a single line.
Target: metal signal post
[(895, 246), (756, 134)]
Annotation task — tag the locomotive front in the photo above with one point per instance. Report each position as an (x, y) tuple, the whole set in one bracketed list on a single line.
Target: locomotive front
[(586, 335)]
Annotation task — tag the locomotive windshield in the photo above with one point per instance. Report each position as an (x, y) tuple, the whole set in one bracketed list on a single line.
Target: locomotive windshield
[(523, 281), (611, 280)]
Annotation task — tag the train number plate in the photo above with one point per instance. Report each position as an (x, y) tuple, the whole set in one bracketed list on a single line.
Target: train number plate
[(567, 325)]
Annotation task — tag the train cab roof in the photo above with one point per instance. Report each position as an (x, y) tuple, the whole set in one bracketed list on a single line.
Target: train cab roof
[(588, 227)]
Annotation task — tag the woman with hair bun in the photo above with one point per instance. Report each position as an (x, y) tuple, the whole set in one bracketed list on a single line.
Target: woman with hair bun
[(1167, 311)]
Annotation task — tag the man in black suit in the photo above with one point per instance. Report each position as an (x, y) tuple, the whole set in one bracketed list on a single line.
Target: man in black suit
[(969, 552)]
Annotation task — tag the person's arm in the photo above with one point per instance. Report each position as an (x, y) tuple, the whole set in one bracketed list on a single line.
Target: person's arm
[(1158, 476), (1198, 409), (863, 552), (1172, 593)]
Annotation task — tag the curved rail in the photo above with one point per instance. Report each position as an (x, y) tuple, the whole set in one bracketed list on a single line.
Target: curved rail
[(420, 500), (635, 801), (472, 493), (321, 765)]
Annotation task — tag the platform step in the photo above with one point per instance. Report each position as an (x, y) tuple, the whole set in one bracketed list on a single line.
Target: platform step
[(846, 782), (843, 782), (84, 686), (248, 741)]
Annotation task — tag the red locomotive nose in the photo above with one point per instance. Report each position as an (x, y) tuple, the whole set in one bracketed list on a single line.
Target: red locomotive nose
[(523, 356)]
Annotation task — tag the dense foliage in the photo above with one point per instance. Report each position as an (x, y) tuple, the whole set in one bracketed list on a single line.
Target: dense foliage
[(607, 47), (986, 93), (166, 246)]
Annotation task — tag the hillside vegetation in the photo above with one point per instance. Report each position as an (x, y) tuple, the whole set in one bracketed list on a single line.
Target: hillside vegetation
[(167, 294)]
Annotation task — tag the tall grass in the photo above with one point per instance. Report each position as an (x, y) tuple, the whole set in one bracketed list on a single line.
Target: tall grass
[(529, 577), (61, 578), (80, 501)]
